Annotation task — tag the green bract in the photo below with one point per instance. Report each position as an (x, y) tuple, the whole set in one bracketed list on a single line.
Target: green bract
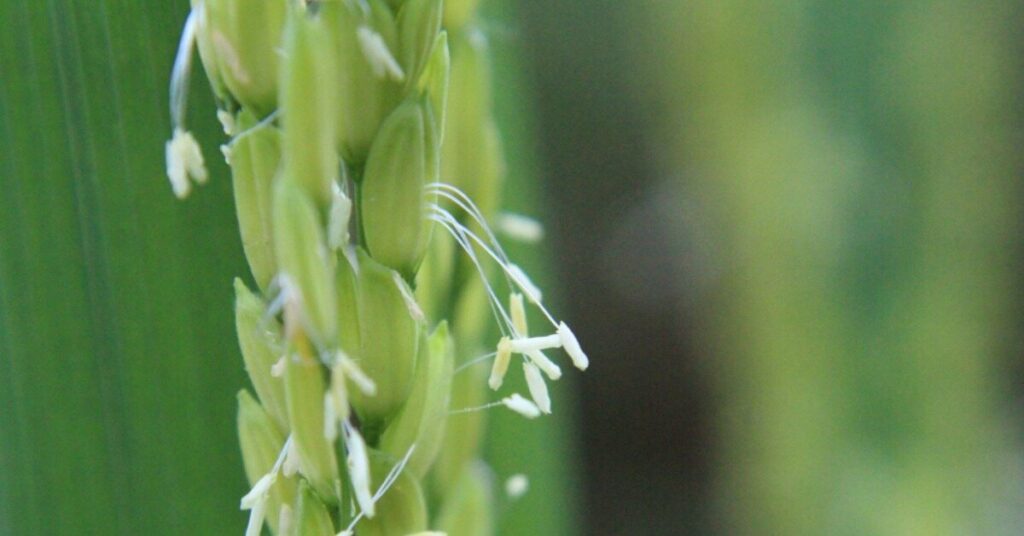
[(392, 194), (238, 45), (255, 159), (421, 421), (311, 517), (304, 263), (364, 95), (308, 106), (261, 443), (403, 510), (304, 392), (260, 341), (389, 337)]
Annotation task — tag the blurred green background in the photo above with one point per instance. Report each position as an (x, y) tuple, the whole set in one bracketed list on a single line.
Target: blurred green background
[(788, 234)]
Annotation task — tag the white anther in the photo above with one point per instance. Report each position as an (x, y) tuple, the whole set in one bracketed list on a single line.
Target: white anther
[(407, 296), (184, 160), (544, 363), (520, 278), (376, 52), (572, 347), (277, 369), (257, 515), (521, 406), (258, 491), (359, 469), (227, 122), (517, 485), (519, 227), (291, 460), (340, 394), (501, 361), (337, 221), (285, 520), (330, 418), (518, 312), (523, 345), (538, 389), (356, 374)]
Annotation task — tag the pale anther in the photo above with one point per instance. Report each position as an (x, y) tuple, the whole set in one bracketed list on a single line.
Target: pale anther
[(359, 469), (545, 364), (517, 485), (284, 520), (330, 418), (259, 490), (519, 227), (227, 122), (529, 344), (538, 389), (521, 406), (184, 161), (501, 361), (520, 278), (377, 53), (572, 347), (518, 312), (257, 515), (277, 369), (356, 374), (410, 301), (291, 460), (338, 218)]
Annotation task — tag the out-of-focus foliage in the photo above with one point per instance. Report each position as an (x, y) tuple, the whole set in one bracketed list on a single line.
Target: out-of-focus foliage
[(857, 158)]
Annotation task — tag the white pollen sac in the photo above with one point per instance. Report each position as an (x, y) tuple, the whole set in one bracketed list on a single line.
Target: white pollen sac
[(518, 311), (520, 278), (184, 160), (277, 369), (227, 122), (531, 344), (257, 514), (538, 389), (520, 228), (285, 520), (340, 394), (377, 53), (501, 361), (407, 296), (359, 469), (337, 220), (517, 485), (330, 418), (356, 374), (572, 347), (544, 363), (521, 406), (259, 491), (291, 460)]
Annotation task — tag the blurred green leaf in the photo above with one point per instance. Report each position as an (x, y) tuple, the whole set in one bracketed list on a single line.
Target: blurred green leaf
[(118, 361)]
